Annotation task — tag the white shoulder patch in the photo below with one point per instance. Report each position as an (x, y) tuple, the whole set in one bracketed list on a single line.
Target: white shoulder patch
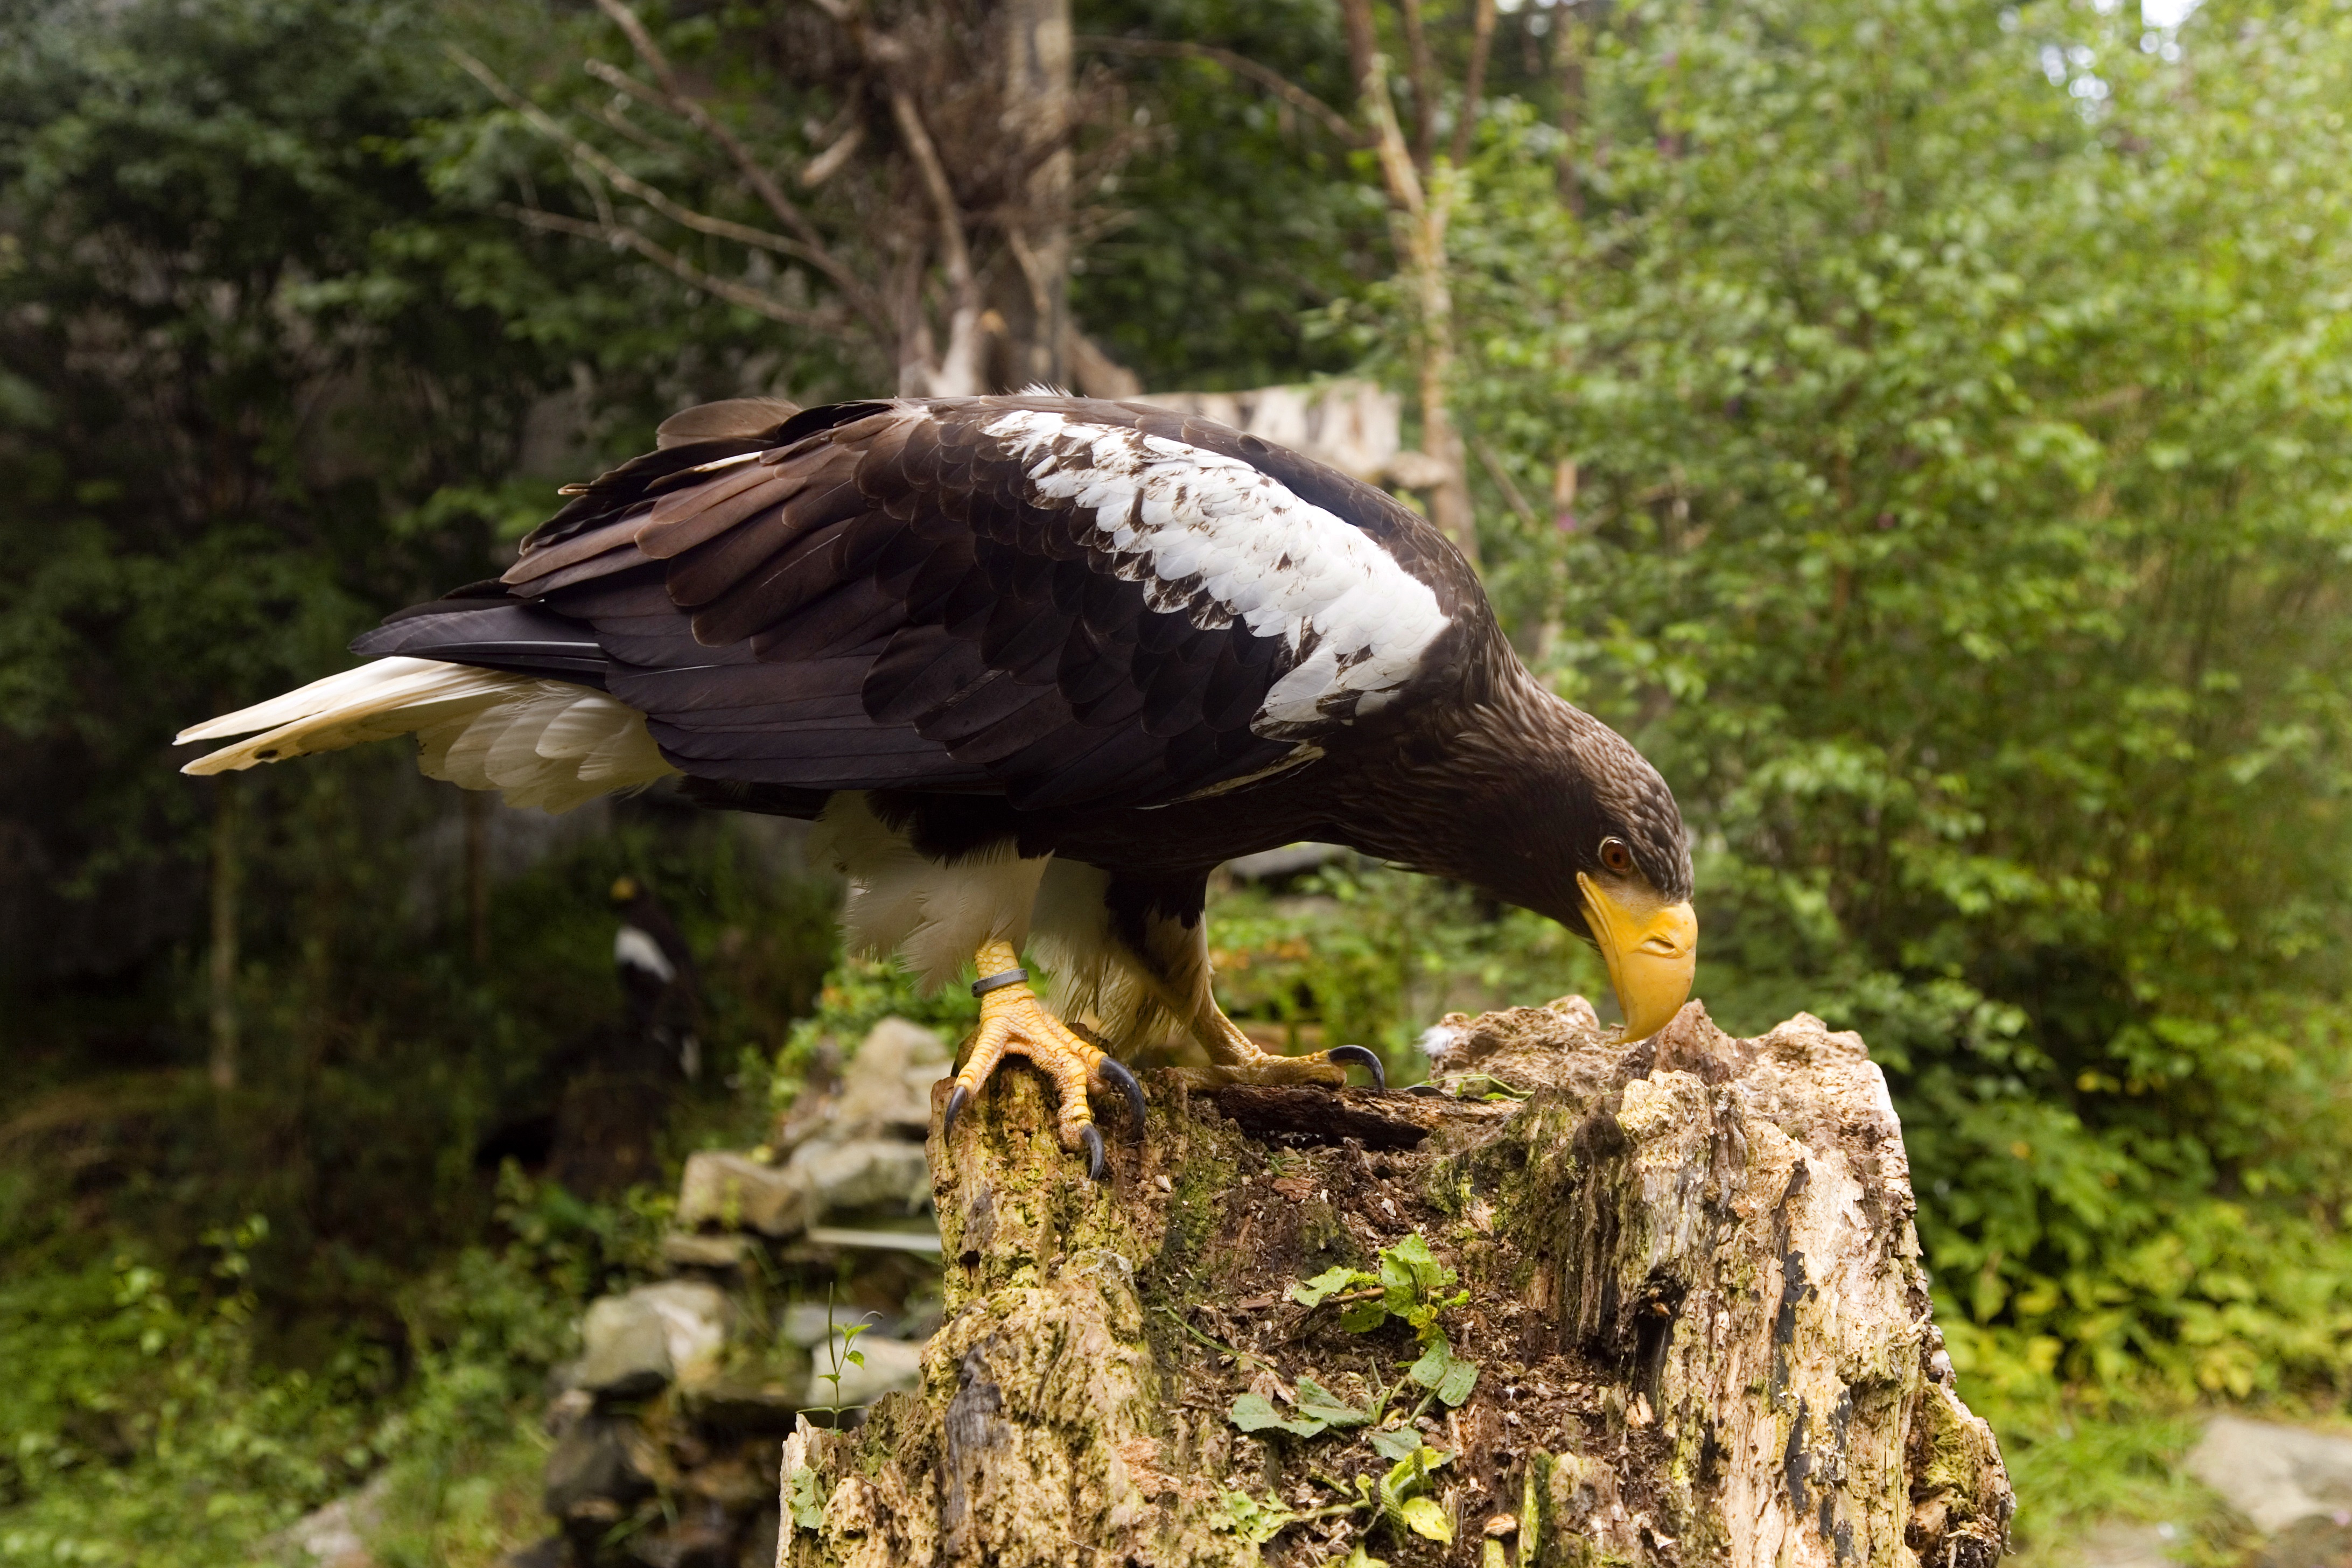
[(1213, 535)]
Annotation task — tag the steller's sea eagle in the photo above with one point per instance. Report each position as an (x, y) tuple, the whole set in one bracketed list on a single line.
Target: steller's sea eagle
[(1035, 664)]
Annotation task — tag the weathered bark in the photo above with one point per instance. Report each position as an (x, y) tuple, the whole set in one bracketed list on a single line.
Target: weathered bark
[(1694, 1292)]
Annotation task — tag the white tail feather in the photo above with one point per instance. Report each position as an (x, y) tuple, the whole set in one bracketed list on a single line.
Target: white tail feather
[(545, 743)]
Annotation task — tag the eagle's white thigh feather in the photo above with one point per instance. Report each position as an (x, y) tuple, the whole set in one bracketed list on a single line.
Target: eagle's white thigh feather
[(1096, 981), (934, 916), (547, 743)]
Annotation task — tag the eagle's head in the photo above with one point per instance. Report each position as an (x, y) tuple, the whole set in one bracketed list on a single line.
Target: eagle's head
[(1634, 880), (1560, 815)]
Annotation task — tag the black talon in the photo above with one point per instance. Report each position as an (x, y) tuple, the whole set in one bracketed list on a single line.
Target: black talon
[(1363, 1057), (1093, 1140), (956, 1102), (1117, 1074)]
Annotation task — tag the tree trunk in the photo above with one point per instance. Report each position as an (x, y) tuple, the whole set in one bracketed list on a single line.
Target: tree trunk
[(1036, 116), (1692, 1291), (227, 878), (477, 807)]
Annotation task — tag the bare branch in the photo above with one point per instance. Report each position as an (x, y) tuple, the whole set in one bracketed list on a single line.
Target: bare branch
[(652, 250), (1273, 82), (627, 183), (1502, 477), (828, 164), (644, 92), (955, 256), (1398, 171), (1421, 76), (956, 372), (686, 106), (1482, 42), (616, 118), (812, 251), (1363, 40)]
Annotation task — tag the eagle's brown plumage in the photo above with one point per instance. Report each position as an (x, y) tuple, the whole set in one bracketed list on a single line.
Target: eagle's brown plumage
[(1006, 629)]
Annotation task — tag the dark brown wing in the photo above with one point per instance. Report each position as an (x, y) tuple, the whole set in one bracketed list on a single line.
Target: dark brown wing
[(978, 595)]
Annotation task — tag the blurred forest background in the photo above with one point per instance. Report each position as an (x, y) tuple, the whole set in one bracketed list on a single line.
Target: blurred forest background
[(1924, 427)]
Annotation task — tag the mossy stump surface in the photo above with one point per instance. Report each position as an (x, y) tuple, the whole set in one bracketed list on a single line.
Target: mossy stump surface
[(1694, 1295)]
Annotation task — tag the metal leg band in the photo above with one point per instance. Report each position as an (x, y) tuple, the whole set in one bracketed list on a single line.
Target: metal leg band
[(982, 987)]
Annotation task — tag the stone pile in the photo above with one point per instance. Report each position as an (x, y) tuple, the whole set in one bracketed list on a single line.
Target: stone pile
[(668, 1425)]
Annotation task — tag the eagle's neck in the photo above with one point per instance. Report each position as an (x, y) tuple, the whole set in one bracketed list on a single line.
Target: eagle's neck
[(1503, 800)]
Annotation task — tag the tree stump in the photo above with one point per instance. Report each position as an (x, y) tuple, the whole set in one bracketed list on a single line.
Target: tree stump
[(1687, 1275)]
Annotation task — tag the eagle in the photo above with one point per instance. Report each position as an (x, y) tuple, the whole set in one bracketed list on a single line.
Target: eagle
[(1035, 664)]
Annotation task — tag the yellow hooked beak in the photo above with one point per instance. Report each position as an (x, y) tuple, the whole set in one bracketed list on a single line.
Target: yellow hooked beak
[(1651, 950)]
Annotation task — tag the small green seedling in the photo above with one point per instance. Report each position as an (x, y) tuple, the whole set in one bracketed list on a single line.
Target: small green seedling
[(841, 1349), (1411, 1285)]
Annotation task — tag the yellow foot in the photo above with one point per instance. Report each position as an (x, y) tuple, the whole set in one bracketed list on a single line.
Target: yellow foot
[(1014, 1022), (1234, 1058)]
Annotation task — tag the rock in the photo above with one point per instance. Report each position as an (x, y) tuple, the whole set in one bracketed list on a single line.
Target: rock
[(740, 1403), (565, 1411), (891, 1365), (887, 1087), (2118, 1543), (2273, 1474), (627, 1350), (863, 1172), (2316, 1541), (600, 1461), (335, 1536), (699, 1536), (735, 1192), (806, 1323), (684, 1249), (633, 1345), (696, 1317)]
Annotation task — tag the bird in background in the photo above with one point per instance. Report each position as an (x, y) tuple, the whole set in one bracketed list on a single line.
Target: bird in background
[(658, 977), (1035, 664)]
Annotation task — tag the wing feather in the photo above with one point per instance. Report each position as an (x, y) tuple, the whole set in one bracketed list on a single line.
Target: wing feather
[(1067, 602)]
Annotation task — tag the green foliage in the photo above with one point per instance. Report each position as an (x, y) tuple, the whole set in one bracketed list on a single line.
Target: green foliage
[(1364, 954), (1411, 1284), (804, 1490), (146, 1426), (1961, 526), (841, 1348)]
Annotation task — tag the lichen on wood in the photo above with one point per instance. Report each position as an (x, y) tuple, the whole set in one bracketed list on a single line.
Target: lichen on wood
[(1688, 1276)]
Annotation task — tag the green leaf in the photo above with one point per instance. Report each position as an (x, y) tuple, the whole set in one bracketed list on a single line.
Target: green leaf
[(1257, 1523), (1318, 1403), (1449, 1376), (1331, 1282), (1253, 1413), (1422, 1516), (1395, 1443), (1363, 1316), (808, 1503)]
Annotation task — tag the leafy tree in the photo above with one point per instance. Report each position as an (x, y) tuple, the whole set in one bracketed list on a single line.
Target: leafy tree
[(1954, 405)]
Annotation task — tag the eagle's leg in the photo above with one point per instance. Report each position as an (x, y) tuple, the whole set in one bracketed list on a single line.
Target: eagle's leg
[(1014, 1022), (1236, 1058)]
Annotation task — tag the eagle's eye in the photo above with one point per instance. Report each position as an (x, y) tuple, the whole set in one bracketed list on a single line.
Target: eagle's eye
[(1617, 856)]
